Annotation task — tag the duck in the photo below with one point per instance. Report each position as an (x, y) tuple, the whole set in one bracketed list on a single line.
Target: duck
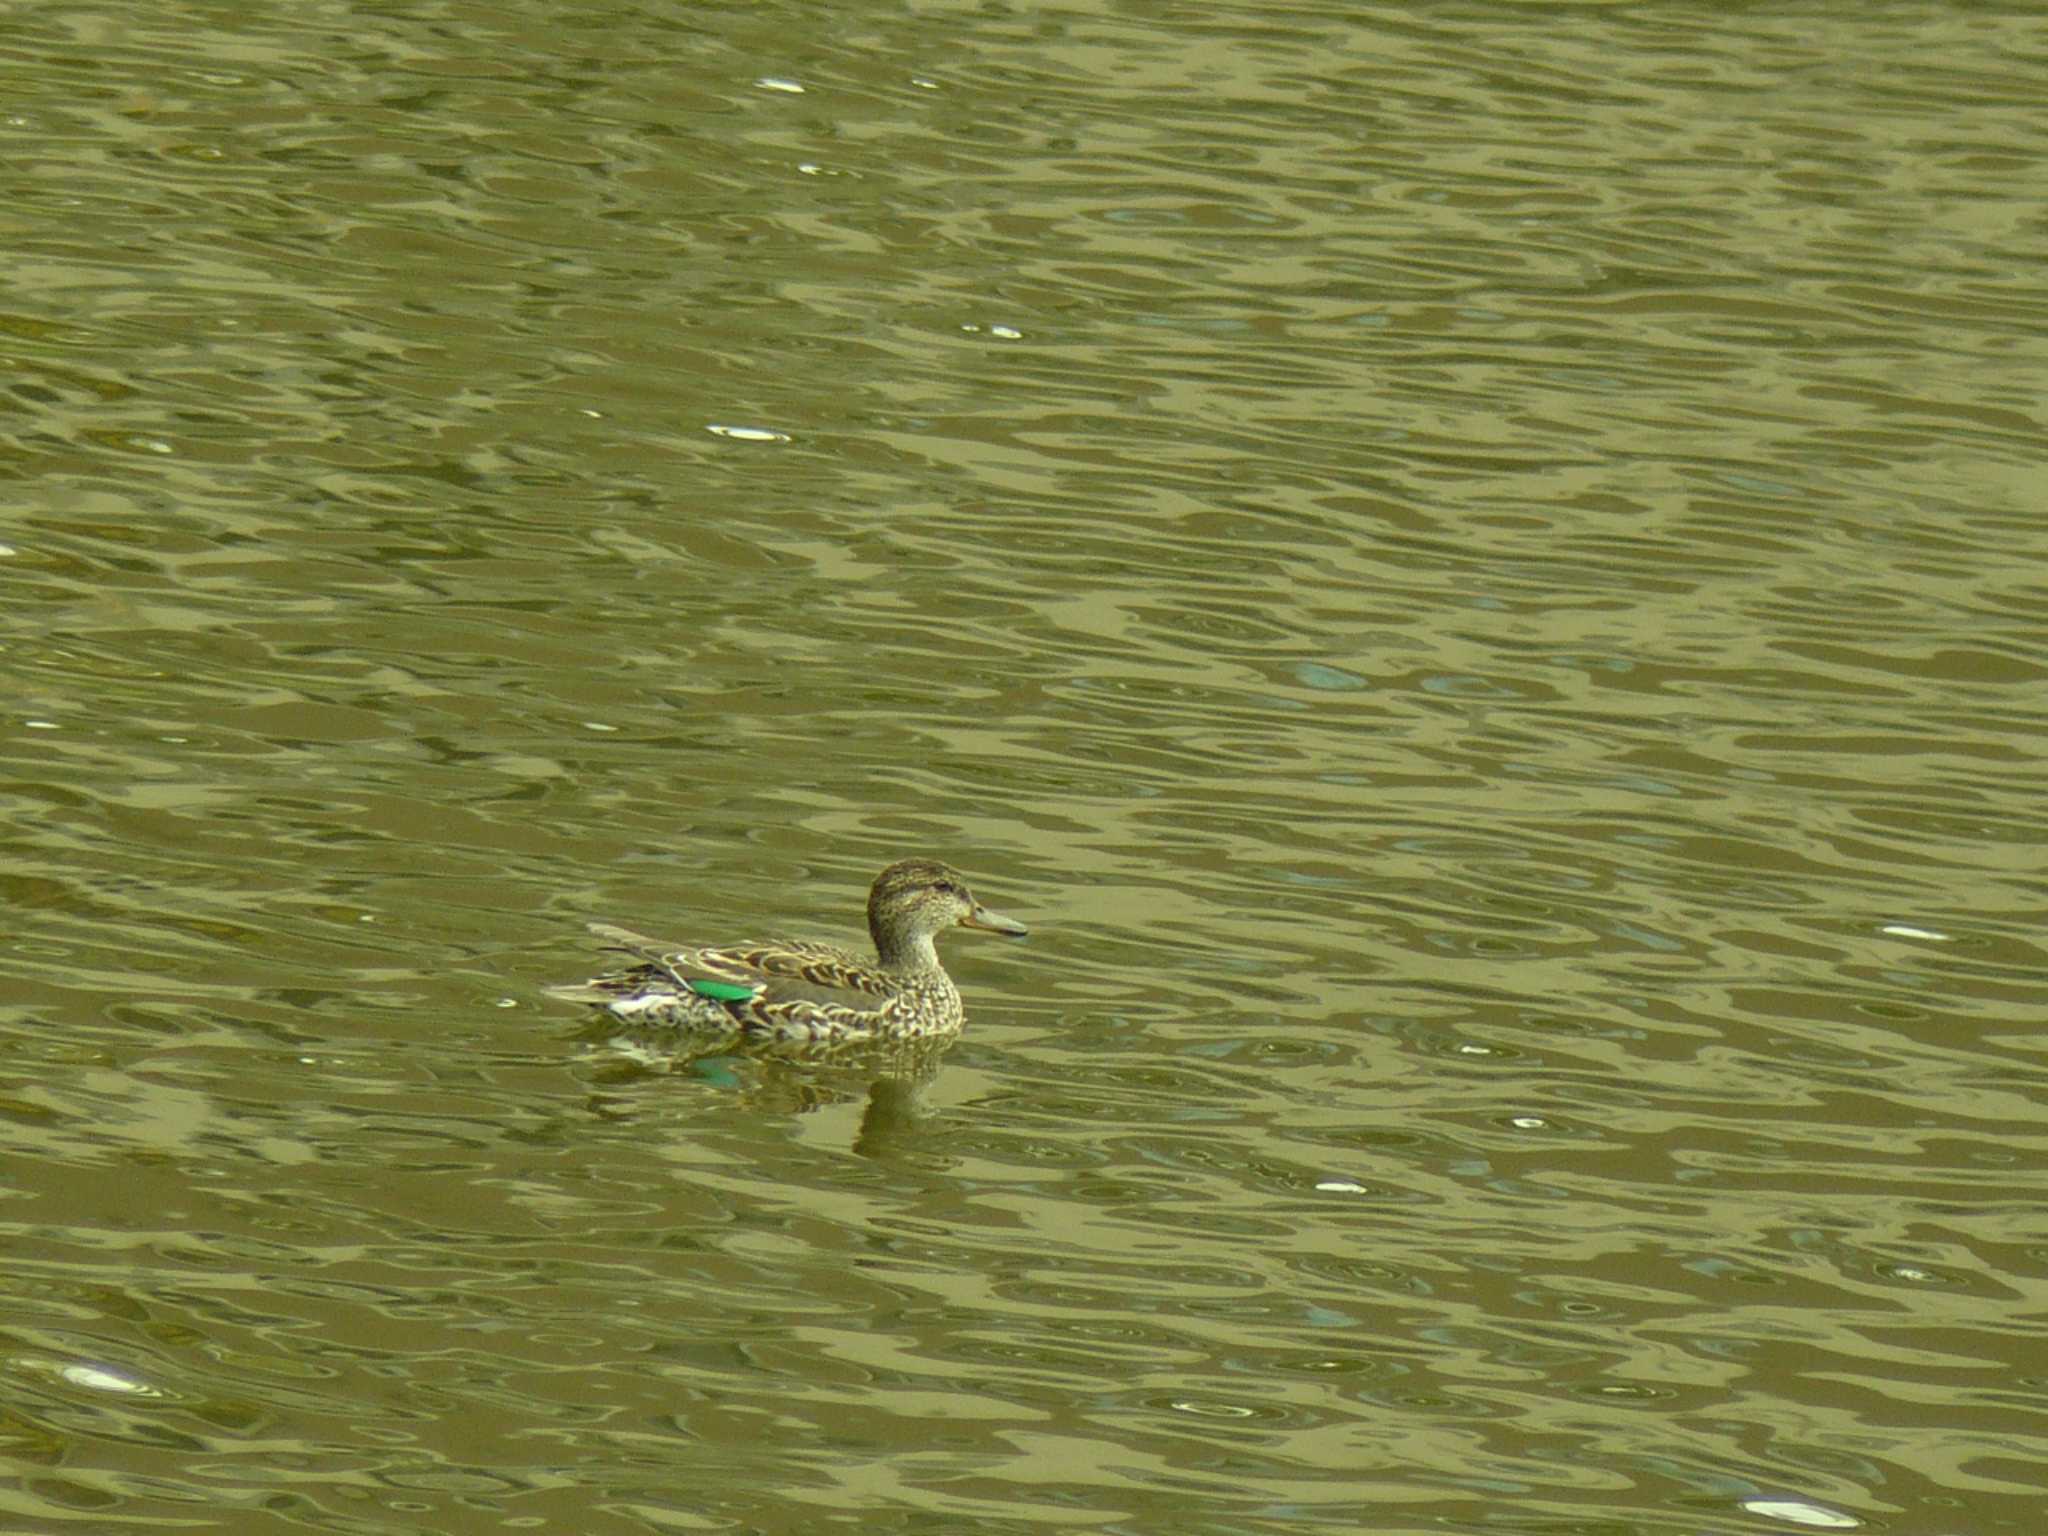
[(793, 991)]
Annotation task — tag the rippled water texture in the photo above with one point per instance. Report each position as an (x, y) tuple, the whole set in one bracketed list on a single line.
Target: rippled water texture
[(1475, 572)]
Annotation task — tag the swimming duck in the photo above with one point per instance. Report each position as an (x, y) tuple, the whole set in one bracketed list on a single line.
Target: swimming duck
[(799, 991)]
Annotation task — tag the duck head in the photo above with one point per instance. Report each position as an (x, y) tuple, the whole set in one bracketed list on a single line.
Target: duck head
[(914, 901)]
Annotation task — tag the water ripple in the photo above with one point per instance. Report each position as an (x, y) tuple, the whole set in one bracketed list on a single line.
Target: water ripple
[(1474, 577)]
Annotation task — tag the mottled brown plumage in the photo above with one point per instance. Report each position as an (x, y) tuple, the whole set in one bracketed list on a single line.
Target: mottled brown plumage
[(800, 991)]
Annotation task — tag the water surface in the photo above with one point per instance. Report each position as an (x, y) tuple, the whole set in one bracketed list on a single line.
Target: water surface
[(1474, 573)]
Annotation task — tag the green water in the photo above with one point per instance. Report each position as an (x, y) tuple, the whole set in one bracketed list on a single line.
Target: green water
[(1475, 574)]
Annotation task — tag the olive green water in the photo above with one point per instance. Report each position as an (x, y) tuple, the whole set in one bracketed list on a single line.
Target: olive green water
[(1478, 574)]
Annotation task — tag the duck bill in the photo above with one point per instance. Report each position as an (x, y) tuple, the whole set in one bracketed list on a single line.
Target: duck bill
[(993, 922)]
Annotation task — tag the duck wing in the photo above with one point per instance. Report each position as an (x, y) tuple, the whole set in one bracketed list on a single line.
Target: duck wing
[(784, 985)]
